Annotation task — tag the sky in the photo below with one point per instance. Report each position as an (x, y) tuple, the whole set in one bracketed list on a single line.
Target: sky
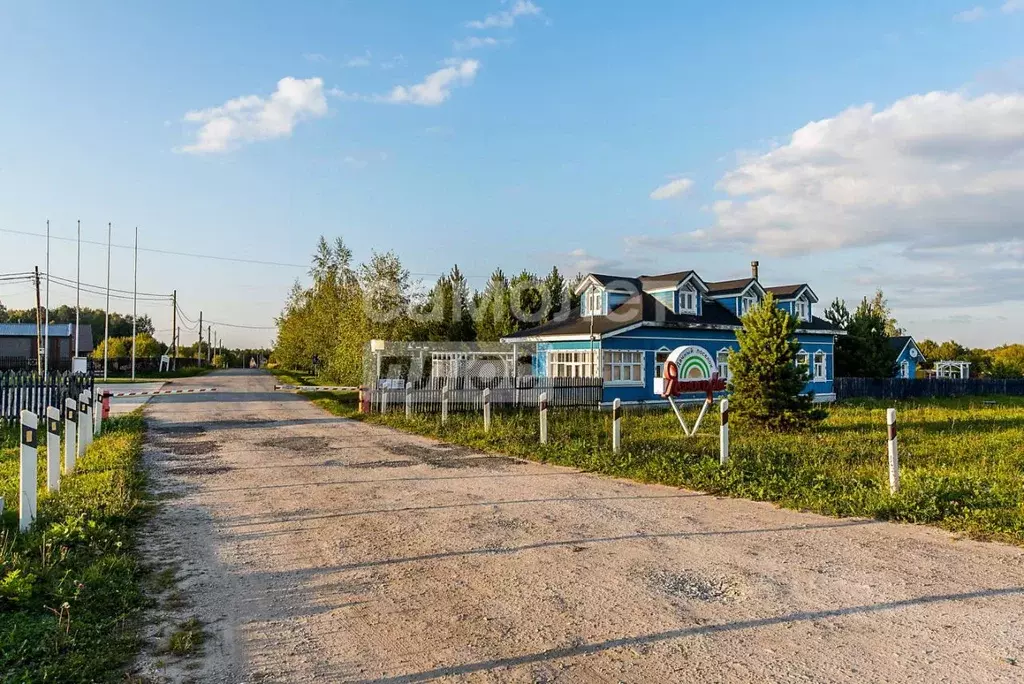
[(850, 145)]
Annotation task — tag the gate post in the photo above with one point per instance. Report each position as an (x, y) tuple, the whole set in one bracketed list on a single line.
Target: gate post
[(616, 425), (487, 409), (894, 457), (444, 405), (408, 404), (723, 434), (70, 435)]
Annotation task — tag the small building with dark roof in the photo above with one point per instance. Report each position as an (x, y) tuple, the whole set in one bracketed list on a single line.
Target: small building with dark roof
[(625, 328), (908, 355), (19, 346)]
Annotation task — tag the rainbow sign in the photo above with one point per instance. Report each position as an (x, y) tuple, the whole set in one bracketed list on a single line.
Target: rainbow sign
[(693, 363)]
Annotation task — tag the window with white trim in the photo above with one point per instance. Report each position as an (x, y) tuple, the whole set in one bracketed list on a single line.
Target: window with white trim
[(595, 302), (905, 370), (820, 366), (747, 303), (660, 357), (625, 367), (803, 361), (723, 363), (802, 309), (576, 363), (687, 300)]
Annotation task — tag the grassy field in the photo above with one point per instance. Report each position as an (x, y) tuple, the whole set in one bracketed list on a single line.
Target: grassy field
[(962, 462), (70, 588)]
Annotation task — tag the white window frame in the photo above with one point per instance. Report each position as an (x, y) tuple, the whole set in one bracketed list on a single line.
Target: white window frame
[(802, 309), (690, 292), (572, 363), (820, 363), (595, 302), (722, 362), (747, 302), (659, 366), (905, 369), (803, 360), (622, 362)]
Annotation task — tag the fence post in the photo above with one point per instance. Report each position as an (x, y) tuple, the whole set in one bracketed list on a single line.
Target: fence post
[(723, 434), (70, 435), (52, 449), (28, 489), (616, 425), (894, 458), (487, 409), (408, 404), (444, 405), (543, 403)]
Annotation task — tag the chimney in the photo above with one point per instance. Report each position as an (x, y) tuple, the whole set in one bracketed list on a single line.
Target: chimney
[(753, 270)]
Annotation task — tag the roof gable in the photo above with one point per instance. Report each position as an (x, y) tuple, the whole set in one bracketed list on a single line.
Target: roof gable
[(734, 288)]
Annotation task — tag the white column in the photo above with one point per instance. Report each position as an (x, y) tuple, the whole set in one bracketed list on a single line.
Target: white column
[(52, 449), (616, 425), (97, 412), (487, 409), (894, 458), (723, 434), (543, 402), (383, 401), (28, 484), (70, 435)]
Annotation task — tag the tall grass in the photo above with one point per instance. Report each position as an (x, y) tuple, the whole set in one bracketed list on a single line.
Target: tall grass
[(69, 588), (962, 460)]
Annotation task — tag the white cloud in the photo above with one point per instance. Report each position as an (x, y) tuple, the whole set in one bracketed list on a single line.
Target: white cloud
[(930, 170), (673, 188), (507, 18), (251, 117), (315, 57), (1011, 6), (361, 61), (973, 14), (476, 42), (435, 88)]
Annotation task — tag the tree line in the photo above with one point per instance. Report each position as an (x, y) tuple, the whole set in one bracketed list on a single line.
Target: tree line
[(120, 324), (329, 323)]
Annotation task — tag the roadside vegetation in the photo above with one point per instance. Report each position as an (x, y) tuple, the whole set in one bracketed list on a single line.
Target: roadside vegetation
[(961, 460), (192, 372), (70, 592)]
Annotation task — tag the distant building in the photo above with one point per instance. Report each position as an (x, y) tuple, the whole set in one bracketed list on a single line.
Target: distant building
[(908, 355), (18, 348)]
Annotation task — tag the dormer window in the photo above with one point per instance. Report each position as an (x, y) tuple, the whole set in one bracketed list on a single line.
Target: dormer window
[(595, 302), (802, 309), (747, 302), (687, 300)]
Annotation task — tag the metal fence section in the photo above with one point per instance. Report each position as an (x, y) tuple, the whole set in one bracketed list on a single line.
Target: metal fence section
[(466, 394), (900, 388), (31, 391)]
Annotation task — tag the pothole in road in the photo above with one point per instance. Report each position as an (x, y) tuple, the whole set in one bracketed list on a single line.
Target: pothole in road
[(199, 469), (179, 429), (691, 585), (296, 443), (189, 448), (449, 456), (382, 464)]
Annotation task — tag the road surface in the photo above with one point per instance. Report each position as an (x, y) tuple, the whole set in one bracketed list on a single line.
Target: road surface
[(317, 549)]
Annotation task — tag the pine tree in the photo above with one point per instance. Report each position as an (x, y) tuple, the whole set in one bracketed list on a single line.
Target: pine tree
[(766, 382), (557, 294)]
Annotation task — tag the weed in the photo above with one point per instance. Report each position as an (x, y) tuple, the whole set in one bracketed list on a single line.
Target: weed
[(188, 639)]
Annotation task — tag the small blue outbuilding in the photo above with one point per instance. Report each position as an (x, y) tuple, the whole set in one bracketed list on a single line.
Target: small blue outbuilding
[(908, 356)]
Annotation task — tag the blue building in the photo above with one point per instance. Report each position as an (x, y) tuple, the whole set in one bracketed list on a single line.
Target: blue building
[(625, 328), (908, 355)]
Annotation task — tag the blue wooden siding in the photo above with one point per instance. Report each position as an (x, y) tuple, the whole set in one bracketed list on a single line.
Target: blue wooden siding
[(911, 361)]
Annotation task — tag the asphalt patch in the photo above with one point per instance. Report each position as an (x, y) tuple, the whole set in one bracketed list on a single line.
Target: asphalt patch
[(179, 429), (296, 443), (383, 464), (199, 469), (449, 456), (189, 448)]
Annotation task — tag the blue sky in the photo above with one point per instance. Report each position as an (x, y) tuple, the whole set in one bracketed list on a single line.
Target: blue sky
[(545, 140)]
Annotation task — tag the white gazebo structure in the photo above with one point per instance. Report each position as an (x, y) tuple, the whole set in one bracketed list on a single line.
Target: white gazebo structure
[(953, 369)]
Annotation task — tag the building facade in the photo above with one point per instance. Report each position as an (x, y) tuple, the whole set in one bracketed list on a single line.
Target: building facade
[(908, 356), (18, 345), (625, 328)]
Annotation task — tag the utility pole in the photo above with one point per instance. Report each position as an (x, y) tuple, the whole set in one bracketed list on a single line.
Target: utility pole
[(39, 327), (135, 300), (199, 349), (209, 349), (78, 292), (174, 329), (46, 318), (106, 313)]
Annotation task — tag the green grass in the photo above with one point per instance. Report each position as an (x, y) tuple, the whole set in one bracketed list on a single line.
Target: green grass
[(962, 463), (70, 593), (168, 375), (188, 638)]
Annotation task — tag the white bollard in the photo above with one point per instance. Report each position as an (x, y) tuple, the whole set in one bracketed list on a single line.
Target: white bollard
[(487, 409), (616, 426), (97, 413), (408, 404), (52, 449), (543, 403), (70, 435), (383, 401), (894, 457), (723, 434), (444, 406), (28, 483), (83, 426)]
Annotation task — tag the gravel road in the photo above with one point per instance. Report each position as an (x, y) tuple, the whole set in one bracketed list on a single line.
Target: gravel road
[(317, 549)]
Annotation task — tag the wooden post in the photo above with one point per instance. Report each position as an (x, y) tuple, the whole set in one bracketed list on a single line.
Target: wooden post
[(408, 404), (28, 484), (444, 406), (723, 434), (543, 403), (616, 425), (487, 409), (70, 435), (894, 458), (52, 449)]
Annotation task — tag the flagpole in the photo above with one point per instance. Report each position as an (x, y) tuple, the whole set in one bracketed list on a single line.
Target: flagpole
[(135, 300), (106, 313), (78, 294)]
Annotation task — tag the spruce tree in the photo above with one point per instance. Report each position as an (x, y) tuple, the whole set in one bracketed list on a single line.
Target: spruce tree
[(766, 382)]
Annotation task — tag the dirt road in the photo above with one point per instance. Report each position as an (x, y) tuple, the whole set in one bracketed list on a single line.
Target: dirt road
[(317, 549)]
